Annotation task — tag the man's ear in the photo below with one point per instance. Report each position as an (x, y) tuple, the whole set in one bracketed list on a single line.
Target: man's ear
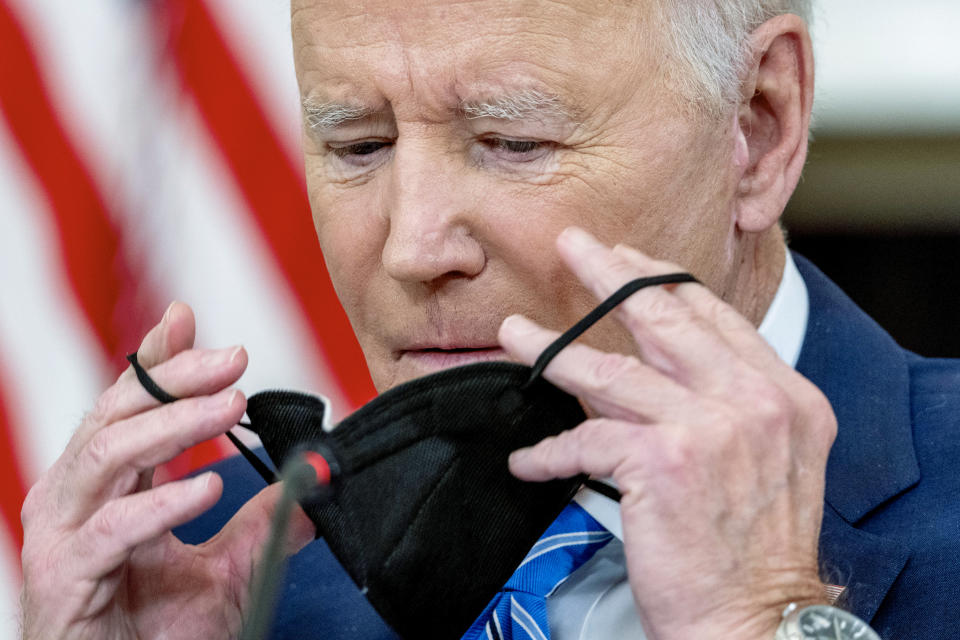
[(773, 120)]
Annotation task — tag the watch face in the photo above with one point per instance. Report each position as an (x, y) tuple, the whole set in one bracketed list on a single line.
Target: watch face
[(830, 623)]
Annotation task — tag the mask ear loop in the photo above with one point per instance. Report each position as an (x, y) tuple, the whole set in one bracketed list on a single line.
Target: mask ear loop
[(599, 312), (155, 390), (588, 321)]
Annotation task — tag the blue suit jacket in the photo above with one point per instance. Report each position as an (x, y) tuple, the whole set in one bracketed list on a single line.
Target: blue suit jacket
[(891, 525)]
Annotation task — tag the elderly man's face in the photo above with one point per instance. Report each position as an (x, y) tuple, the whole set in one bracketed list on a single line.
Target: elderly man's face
[(448, 143)]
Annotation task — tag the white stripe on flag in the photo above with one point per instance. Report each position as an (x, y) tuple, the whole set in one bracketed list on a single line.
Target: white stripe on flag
[(54, 363), (92, 56), (262, 30), (9, 588), (205, 222)]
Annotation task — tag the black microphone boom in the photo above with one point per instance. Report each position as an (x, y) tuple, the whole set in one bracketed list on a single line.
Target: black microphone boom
[(300, 478)]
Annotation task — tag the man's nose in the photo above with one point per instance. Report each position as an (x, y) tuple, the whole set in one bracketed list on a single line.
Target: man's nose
[(430, 214)]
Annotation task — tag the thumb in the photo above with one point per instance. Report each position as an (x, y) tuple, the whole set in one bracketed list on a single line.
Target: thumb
[(242, 539)]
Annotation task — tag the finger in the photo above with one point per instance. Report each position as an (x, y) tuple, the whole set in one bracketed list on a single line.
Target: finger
[(604, 271), (175, 333), (671, 336), (197, 372), (611, 384), (596, 447), (739, 332), (188, 374), (106, 540), (113, 461)]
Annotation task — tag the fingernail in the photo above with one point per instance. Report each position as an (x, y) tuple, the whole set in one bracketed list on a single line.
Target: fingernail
[(235, 354), (577, 237), (218, 401), (233, 397), (518, 456), (519, 325), (220, 356), (202, 481), (166, 314)]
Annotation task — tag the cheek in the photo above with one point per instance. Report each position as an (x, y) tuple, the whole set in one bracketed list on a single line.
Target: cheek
[(663, 194), (613, 193), (351, 236), (519, 227), (541, 285)]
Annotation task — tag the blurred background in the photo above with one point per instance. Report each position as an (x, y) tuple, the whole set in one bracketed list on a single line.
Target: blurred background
[(879, 205), (149, 151)]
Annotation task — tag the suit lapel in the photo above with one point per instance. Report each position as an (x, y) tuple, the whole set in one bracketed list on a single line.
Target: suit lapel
[(864, 374), (865, 564)]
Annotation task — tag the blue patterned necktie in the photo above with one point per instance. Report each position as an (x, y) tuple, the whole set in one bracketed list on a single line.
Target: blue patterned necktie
[(519, 611)]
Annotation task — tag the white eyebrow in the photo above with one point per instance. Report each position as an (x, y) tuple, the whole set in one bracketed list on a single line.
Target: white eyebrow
[(328, 115), (519, 106)]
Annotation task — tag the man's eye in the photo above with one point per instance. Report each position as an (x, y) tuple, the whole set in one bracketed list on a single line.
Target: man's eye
[(365, 148), (518, 147)]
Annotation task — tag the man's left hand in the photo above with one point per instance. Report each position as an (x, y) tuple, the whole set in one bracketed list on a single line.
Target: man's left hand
[(718, 447)]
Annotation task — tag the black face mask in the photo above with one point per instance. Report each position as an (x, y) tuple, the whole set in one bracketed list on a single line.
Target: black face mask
[(423, 512)]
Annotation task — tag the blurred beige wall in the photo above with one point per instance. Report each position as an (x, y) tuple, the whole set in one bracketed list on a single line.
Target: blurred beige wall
[(886, 150)]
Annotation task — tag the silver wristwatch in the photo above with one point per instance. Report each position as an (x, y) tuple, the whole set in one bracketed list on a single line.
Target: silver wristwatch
[(822, 622)]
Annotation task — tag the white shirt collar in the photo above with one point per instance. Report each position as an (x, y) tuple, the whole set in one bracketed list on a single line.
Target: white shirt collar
[(785, 323), (783, 327)]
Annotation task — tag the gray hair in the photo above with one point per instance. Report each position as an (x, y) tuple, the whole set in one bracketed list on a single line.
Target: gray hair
[(709, 39), (524, 104), (322, 115)]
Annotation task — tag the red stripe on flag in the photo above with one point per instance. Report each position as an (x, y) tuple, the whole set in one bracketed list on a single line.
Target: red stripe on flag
[(89, 243), (113, 293), (272, 186), (13, 486)]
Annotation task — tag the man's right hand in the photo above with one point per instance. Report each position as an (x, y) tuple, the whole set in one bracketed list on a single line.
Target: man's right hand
[(99, 560)]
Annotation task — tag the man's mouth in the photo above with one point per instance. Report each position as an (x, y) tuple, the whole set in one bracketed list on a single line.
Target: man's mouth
[(435, 358)]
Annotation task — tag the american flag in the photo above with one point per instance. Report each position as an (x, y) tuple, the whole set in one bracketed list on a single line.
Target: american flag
[(149, 151)]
